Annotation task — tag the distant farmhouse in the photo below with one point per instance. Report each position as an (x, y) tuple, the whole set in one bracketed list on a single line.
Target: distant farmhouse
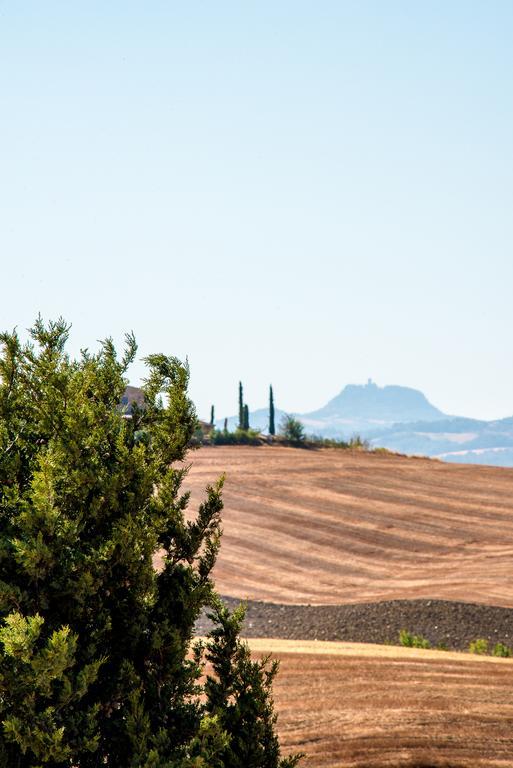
[(135, 395)]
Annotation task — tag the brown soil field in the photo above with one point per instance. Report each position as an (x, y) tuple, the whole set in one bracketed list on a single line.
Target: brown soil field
[(382, 707), (329, 543), (330, 526)]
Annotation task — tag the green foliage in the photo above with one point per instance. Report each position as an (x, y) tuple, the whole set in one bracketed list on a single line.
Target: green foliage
[(317, 441), (357, 443), (209, 745), (239, 437), (239, 694), (272, 426), (243, 425), (413, 641), (479, 646), (212, 415), (241, 406), (501, 650), (96, 666), (292, 430)]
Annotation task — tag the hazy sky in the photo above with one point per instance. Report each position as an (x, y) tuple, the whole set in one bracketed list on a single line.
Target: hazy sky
[(308, 193)]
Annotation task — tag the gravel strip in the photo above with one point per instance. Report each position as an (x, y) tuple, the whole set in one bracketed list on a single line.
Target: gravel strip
[(444, 623)]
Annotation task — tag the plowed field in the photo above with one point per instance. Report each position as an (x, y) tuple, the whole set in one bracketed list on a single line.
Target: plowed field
[(382, 707), (345, 532), (331, 526)]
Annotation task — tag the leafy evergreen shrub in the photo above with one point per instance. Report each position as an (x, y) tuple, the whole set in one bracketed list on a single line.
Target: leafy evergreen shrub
[(504, 651), (292, 430), (96, 662), (317, 441), (239, 437), (479, 646), (413, 641), (239, 695)]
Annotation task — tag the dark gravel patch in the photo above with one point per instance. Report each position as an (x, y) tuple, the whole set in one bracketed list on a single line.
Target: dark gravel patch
[(444, 623)]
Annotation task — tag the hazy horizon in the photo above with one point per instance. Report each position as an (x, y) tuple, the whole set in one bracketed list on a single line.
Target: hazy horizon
[(287, 193), (264, 405)]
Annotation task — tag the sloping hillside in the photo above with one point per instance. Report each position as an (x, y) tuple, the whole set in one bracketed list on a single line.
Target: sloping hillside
[(382, 707), (330, 526)]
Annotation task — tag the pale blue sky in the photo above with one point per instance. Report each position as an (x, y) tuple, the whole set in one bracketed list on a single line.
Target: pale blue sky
[(308, 193)]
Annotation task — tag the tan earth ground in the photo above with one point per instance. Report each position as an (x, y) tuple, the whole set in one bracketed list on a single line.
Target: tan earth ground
[(366, 706), (331, 526)]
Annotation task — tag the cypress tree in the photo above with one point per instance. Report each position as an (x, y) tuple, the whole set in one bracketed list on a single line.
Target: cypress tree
[(241, 406), (239, 694), (97, 663), (212, 415), (225, 428), (246, 418), (272, 426)]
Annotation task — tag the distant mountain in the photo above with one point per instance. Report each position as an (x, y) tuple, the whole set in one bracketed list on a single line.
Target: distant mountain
[(357, 408), (367, 406), (457, 440), (402, 419), (497, 457)]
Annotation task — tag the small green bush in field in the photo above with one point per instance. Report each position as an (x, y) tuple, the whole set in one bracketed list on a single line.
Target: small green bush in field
[(479, 646), (292, 430), (413, 641), (499, 649), (358, 442)]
